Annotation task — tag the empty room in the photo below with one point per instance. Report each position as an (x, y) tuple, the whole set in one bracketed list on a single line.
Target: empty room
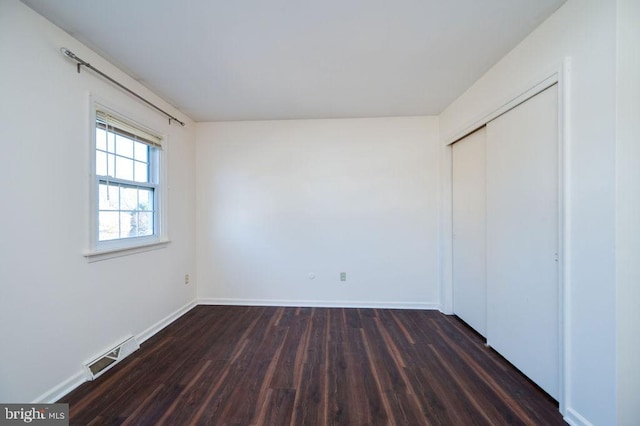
[(405, 212)]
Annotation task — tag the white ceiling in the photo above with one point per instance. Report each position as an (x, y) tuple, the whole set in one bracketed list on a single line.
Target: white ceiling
[(283, 59)]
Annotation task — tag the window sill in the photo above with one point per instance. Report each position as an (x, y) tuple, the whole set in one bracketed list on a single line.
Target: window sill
[(110, 253)]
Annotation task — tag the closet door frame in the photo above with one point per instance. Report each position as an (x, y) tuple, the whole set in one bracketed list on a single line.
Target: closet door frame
[(559, 75)]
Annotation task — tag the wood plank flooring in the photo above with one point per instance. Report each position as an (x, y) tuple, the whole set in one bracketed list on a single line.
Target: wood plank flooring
[(224, 365)]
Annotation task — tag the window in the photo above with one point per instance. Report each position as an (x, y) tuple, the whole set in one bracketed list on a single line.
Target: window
[(127, 187)]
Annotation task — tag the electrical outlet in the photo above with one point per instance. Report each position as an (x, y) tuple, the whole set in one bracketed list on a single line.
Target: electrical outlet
[(186, 279), (343, 276)]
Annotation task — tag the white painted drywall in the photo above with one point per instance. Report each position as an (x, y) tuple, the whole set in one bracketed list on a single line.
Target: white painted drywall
[(278, 200), (584, 30), (57, 310), (628, 211)]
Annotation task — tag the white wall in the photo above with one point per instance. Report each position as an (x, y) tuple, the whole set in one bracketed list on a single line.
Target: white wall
[(585, 30), (628, 211), (277, 200), (57, 310)]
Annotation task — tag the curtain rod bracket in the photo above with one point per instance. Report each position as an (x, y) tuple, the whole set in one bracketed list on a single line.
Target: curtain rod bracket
[(81, 62)]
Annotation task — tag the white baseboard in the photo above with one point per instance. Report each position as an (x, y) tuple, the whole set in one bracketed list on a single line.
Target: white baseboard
[(149, 332), (60, 390), (317, 303), (575, 419)]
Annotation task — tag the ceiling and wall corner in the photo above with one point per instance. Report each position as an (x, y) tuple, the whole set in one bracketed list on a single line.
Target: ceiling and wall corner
[(256, 60)]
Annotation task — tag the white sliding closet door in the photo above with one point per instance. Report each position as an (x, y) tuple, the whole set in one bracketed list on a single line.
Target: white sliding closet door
[(522, 238), (469, 285)]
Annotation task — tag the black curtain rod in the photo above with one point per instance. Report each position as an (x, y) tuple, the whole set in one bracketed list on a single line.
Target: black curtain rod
[(81, 63)]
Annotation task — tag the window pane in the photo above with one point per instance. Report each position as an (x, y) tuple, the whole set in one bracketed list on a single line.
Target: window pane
[(132, 224), (128, 225), (145, 199), (145, 223), (108, 226), (108, 196), (101, 139), (124, 168), (141, 151), (128, 198), (141, 172), (101, 163), (124, 146)]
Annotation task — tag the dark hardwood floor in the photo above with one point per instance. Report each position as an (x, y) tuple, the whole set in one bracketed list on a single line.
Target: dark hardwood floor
[(312, 366)]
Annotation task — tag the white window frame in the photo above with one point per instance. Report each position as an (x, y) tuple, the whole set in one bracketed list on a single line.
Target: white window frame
[(101, 250)]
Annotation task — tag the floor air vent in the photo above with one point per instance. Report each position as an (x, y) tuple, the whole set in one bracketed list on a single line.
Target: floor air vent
[(104, 362)]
